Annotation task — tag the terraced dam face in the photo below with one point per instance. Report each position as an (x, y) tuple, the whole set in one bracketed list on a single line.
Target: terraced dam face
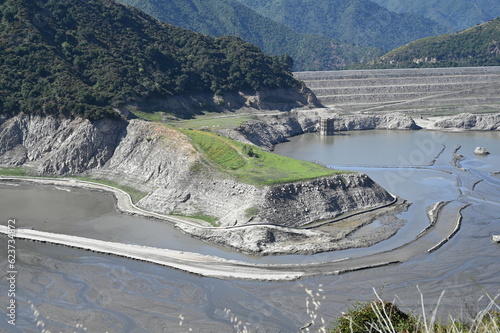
[(433, 91)]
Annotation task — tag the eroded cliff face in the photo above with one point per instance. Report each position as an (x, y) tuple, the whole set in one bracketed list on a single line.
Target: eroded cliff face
[(468, 121), (161, 162), (297, 204), (51, 145), (397, 121)]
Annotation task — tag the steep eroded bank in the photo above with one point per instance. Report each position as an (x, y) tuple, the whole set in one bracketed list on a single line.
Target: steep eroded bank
[(163, 163)]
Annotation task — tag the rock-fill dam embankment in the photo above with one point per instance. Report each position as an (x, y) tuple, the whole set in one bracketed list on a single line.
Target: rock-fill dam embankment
[(413, 91)]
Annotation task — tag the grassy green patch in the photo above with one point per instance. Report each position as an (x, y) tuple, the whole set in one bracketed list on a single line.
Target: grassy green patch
[(16, 171), (135, 194), (252, 211), (200, 216), (213, 122), (252, 165), (218, 150), (207, 218), (157, 116)]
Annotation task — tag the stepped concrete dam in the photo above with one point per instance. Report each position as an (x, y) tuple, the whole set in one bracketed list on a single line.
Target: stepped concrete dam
[(430, 91)]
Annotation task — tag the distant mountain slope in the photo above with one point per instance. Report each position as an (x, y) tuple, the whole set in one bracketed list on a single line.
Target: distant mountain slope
[(361, 22), (83, 57), (455, 14), (229, 17), (477, 46)]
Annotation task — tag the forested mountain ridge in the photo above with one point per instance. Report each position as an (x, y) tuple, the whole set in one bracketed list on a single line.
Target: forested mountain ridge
[(476, 46), (86, 57), (455, 14), (229, 17), (360, 22)]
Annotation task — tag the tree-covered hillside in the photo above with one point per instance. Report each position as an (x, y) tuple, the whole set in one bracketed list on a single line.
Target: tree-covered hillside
[(229, 17), (454, 14), (360, 22), (477, 46), (84, 57)]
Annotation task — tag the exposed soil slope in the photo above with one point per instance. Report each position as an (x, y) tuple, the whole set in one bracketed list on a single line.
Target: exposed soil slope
[(163, 163)]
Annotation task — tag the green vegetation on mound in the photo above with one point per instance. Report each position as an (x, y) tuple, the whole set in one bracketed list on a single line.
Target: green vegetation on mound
[(221, 151), (84, 58), (252, 165), (477, 46)]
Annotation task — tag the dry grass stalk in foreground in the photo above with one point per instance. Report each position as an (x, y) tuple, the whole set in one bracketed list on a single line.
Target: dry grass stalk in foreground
[(379, 316)]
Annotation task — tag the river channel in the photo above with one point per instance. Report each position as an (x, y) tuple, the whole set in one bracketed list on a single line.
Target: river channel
[(71, 290)]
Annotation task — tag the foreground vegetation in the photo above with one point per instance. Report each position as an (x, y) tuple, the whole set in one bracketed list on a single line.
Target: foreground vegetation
[(252, 165), (385, 317)]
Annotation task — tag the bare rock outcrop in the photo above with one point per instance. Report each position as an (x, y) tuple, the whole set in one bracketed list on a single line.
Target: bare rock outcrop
[(59, 146), (297, 204), (398, 121), (272, 240), (481, 151), (469, 121)]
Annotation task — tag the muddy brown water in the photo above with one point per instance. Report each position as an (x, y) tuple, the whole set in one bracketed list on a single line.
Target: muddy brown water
[(69, 290)]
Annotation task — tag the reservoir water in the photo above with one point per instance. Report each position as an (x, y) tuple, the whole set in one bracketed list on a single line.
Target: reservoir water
[(69, 290)]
